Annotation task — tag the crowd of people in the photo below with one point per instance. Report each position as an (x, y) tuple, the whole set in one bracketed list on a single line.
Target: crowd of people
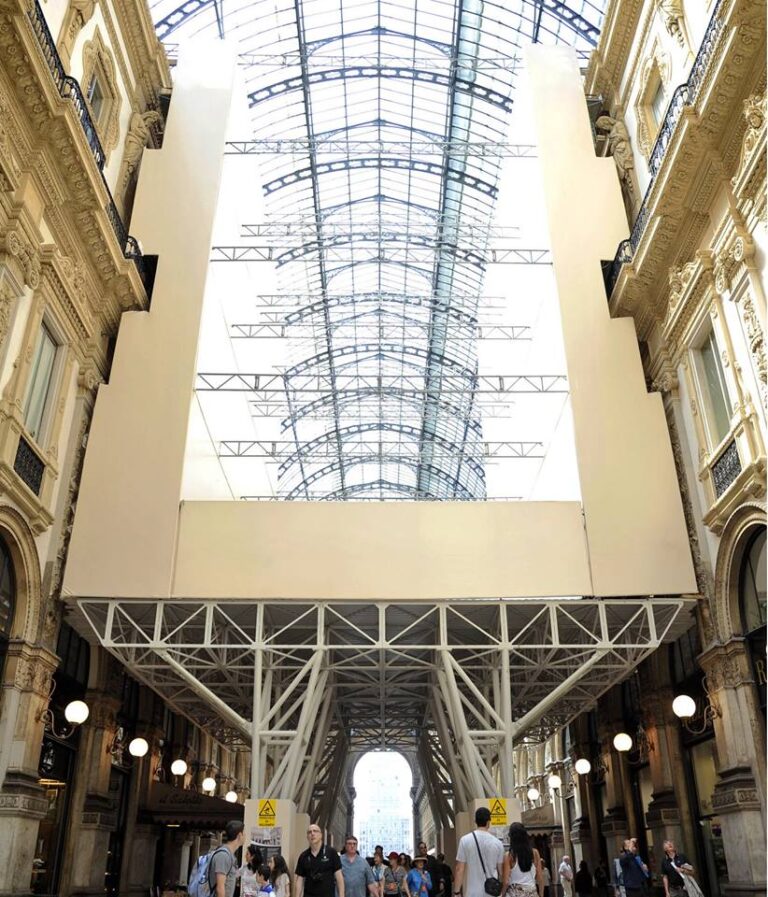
[(483, 869)]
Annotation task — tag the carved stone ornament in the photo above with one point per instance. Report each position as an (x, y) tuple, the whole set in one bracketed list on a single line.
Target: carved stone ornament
[(656, 66), (620, 147), (756, 339), (674, 20), (135, 143), (679, 278), (97, 60), (666, 381)]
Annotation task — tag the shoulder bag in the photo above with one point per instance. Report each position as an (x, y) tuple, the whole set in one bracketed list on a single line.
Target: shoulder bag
[(491, 885)]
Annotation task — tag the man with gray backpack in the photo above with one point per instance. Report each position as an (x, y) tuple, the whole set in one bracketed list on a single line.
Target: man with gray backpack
[(215, 873)]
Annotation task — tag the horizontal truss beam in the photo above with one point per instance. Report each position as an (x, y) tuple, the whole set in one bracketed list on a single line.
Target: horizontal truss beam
[(406, 148), (283, 450), (411, 330), (274, 383), (384, 252), (380, 228)]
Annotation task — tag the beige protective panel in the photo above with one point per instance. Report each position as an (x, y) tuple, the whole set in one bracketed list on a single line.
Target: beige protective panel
[(387, 550), (131, 539), (635, 525)]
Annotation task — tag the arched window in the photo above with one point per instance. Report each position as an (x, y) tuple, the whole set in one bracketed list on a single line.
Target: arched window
[(7, 600), (752, 605)]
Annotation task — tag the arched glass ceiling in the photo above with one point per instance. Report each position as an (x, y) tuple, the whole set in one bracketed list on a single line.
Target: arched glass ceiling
[(383, 219)]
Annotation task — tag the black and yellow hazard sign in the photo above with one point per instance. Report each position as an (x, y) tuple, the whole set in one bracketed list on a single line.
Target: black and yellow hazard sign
[(498, 811), (268, 814)]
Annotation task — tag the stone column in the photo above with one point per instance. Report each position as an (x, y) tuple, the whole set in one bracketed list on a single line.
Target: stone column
[(663, 815), (25, 693), (93, 813), (614, 822), (739, 795)]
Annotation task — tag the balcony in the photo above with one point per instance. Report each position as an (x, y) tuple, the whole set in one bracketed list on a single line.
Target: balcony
[(69, 89), (696, 120)]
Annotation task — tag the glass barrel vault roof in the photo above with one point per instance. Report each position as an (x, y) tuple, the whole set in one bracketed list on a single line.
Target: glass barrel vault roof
[(391, 202)]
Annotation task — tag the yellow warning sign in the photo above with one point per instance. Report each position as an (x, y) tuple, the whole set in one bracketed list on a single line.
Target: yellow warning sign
[(268, 816), (498, 811)]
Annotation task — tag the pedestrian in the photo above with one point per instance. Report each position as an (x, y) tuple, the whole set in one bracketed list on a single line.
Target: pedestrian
[(634, 872), (601, 880), (279, 877), (618, 876), (222, 871), (565, 874), (430, 866), (394, 877), (248, 884), (446, 876), (378, 869), (480, 856), (262, 880), (419, 880), (358, 875), (318, 868), (546, 879), (583, 880), (676, 872), (521, 872)]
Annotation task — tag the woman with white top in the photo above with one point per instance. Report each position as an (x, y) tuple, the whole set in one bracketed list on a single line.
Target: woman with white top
[(281, 882), (521, 872), (249, 887)]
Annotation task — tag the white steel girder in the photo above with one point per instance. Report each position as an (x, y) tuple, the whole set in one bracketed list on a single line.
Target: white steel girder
[(305, 684)]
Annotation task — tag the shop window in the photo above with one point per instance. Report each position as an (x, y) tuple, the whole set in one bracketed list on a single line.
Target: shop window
[(74, 652), (38, 399), (752, 605), (713, 392), (7, 600)]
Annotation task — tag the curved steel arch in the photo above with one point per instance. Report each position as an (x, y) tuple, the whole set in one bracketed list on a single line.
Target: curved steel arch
[(379, 31), (378, 350), (449, 481), (470, 256), (385, 299), (406, 396), (376, 427), (376, 163), (381, 485), (378, 123), (380, 199), (477, 91)]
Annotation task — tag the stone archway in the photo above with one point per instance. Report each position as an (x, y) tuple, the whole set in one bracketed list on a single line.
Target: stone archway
[(26, 563)]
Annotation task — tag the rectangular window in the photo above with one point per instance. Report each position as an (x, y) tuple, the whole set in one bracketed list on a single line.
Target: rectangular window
[(95, 97), (713, 384), (659, 105), (40, 381)]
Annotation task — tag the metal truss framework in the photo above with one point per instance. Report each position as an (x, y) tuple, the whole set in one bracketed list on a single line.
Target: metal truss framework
[(303, 685), (281, 330), (281, 450), (347, 147), (381, 250)]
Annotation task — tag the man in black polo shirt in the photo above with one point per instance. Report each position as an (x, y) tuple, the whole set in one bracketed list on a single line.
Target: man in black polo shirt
[(318, 868), (671, 866)]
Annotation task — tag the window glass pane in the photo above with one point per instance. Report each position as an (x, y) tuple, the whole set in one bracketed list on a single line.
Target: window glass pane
[(714, 383), (39, 383), (659, 104), (7, 591), (95, 97), (753, 585)]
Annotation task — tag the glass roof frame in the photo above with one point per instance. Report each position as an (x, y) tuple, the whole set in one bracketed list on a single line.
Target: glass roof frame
[(389, 73)]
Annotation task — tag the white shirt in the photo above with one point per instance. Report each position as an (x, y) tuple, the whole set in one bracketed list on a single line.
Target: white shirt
[(492, 851), (565, 872)]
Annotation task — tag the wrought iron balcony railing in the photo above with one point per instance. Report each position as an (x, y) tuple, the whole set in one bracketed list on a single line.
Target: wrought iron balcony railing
[(685, 95), (69, 88), (726, 468)]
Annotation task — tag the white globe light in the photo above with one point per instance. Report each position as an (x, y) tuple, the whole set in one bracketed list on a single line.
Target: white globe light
[(622, 742), (138, 747), (533, 794), (76, 712), (684, 706), (583, 766), (179, 767), (554, 782), (231, 796), (209, 784)]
